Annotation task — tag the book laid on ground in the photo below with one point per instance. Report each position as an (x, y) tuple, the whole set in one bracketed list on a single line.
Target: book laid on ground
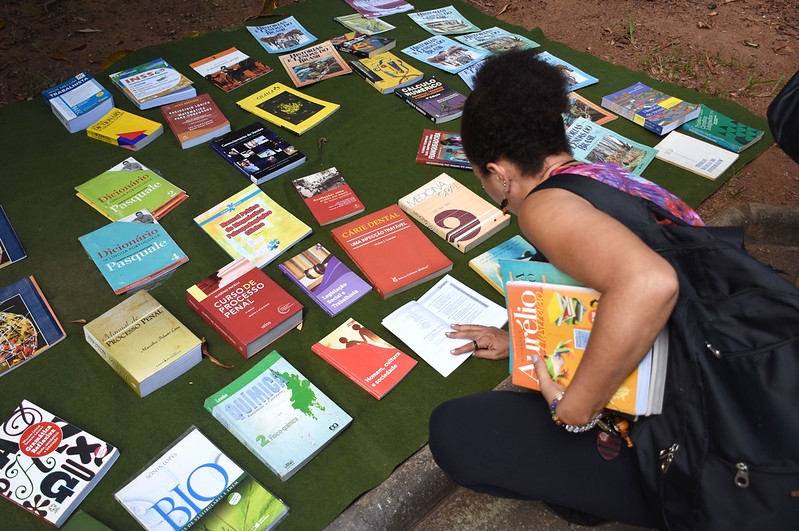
[(192, 484), (486, 264), (79, 101), (434, 99), (328, 196), (28, 325), (386, 72), (246, 307), (454, 212), (379, 8), (497, 40), (369, 25), (443, 21), (364, 357), (282, 36), (469, 73), (230, 68), (288, 108), (595, 143), (362, 44), (580, 107), (125, 129), (650, 108), (722, 130), (575, 78), (153, 84), (442, 148), (391, 251), (128, 187), (50, 465), (11, 249), (195, 121), (328, 281), (532, 271), (257, 152), (252, 225), (143, 342), (445, 53), (555, 321), (422, 324), (278, 414), (695, 155), (314, 64), (135, 252)]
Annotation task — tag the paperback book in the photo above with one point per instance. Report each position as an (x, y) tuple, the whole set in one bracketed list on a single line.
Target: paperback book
[(328, 281), (443, 21), (252, 225), (487, 264), (368, 25), (722, 130), (575, 78), (441, 148), (469, 73), (379, 8), (697, 156), (50, 465), (230, 69), (594, 143), (193, 484), (580, 107), (125, 129), (362, 44), (282, 36), (314, 64), (444, 53), (328, 196), (497, 40), (11, 249), (245, 306), (79, 101), (386, 72), (153, 84), (364, 357), (434, 99), (195, 121), (278, 414), (533, 271), (650, 108), (288, 108)]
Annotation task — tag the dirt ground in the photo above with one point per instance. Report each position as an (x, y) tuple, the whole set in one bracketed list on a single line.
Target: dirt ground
[(744, 50)]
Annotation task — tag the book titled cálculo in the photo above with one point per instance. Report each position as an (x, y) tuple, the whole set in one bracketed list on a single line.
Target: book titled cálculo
[(153, 84), (195, 120), (328, 196), (433, 99), (125, 129), (79, 101)]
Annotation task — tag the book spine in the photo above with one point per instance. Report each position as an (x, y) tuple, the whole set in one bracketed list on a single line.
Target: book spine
[(238, 345), (109, 358), (618, 109), (412, 103), (103, 138)]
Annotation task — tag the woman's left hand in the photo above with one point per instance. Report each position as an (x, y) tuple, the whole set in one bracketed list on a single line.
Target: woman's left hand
[(488, 342)]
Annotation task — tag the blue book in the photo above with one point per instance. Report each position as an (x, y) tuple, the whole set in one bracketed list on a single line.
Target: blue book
[(531, 271), (487, 264), (591, 142), (447, 54), (10, 247), (575, 77), (282, 36)]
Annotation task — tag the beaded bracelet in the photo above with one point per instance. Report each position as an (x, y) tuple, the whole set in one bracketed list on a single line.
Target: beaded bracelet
[(569, 427)]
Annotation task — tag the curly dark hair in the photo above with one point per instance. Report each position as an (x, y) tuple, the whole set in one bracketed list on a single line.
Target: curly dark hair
[(515, 112)]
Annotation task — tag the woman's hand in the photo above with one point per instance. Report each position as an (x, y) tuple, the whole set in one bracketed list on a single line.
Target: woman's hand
[(488, 342)]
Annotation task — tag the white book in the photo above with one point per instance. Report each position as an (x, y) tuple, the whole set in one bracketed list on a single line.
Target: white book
[(692, 154)]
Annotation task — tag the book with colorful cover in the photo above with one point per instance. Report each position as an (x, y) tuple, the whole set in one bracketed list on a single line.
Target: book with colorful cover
[(79, 101), (278, 414), (486, 264), (497, 40), (125, 129), (445, 53), (722, 130), (28, 325), (230, 68), (153, 84), (391, 251), (328, 196), (580, 107), (49, 464), (192, 484), (11, 249), (328, 281), (362, 44), (469, 73), (443, 21), (595, 143), (379, 8), (246, 307), (575, 78), (364, 357), (434, 99), (252, 225), (195, 121), (532, 271), (442, 148), (386, 72), (368, 25), (314, 64), (695, 155), (288, 108), (282, 36), (454, 212), (650, 108)]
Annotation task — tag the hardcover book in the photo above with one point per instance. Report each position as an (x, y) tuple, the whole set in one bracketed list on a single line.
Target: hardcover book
[(497, 40), (650, 108), (386, 72), (278, 414), (192, 484), (125, 129), (722, 130), (368, 25), (454, 212), (134, 252), (362, 44), (328, 196), (697, 156), (580, 107), (288, 108), (143, 342), (246, 307), (153, 84), (379, 8), (230, 69), (252, 225), (433, 99), (79, 101), (195, 120), (444, 53), (440, 148), (11, 249), (28, 325), (257, 152), (594, 143), (282, 36), (313, 64), (487, 263), (364, 357), (325, 279), (575, 78), (443, 21), (50, 465), (391, 251)]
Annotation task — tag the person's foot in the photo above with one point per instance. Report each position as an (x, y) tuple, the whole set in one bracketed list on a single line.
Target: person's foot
[(573, 516)]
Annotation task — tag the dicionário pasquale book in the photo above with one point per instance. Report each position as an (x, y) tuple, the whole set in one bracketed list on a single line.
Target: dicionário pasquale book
[(230, 68), (722, 130), (314, 64), (125, 129), (486, 264), (695, 155), (288, 108), (11, 249), (282, 36), (195, 120), (386, 72), (433, 99), (445, 53), (153, 84), (497, 40), (79, 101), (442, 148), (443, 21), (591, 142), (362, 44), (328, 196), (650, 108)]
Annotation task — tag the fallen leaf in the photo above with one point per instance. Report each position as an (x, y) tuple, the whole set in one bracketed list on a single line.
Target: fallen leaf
[(191, 35), (79, 321), (322, 142), (114, 57), (89, 30), (2, 23), (713, 13), (207, 354), (703, 25), (506, 7), (57, 55), (751, 44)]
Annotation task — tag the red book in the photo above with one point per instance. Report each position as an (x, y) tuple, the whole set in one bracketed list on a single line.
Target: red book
[(328, 196), (195, 120), (249, 309)]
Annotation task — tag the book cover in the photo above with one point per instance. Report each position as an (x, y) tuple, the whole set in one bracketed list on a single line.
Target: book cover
[(364, 357), (697, 156), (28, 325), (486, 264), (325, 279), (143, 342), (11, 249), (362, 44), (257, 152), (650, 108), (50, 465), (445, 53), (391, 251), (532, 271), (128, 187), (278, 414), (153, 84), (314, 64), (246, 307), (193, 484), (454, 212), (282, 36), (722, 130), (442, 148), (443, 21), (125, 129), (79, 101), (252, 225), (195, 120), (328, 196), (368, 25), (230, 68), (575, 78), (433, 99), (594, 143), (469, 73), (580, 107), (379, 8), (386, 72), (497, 40), (288, 108)]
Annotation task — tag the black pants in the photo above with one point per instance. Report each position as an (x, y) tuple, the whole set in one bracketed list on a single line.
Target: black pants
[(504, 443)]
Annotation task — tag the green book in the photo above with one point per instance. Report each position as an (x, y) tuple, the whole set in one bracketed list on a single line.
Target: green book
[(722, 130)]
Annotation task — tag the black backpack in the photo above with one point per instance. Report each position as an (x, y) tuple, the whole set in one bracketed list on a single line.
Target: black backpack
[(724, 454)]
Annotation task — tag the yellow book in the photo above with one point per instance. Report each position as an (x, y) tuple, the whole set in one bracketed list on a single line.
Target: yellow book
[(386, 72), (288, 108), (125, 129)]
